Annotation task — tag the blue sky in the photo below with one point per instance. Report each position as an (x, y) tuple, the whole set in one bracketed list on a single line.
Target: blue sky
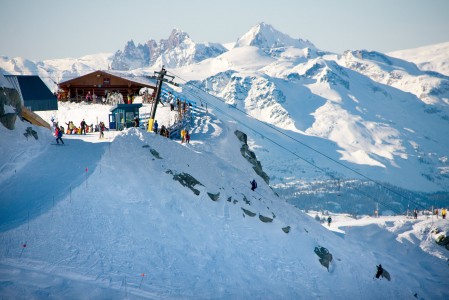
[(47, 29)]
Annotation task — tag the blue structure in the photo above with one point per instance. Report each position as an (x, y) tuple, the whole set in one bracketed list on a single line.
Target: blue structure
[(122, 116), (35, 95)]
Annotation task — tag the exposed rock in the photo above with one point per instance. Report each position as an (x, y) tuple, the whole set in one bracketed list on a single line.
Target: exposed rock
[(324, 255), (286, 229), (186, 180), (9, 97), (250, 156), (8, 120), (249, 213), (30, 132), (214, 197), (155, 153), (265, 219)]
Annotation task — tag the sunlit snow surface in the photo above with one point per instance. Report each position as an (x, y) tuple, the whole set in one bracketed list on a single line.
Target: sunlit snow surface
[(105, 219)]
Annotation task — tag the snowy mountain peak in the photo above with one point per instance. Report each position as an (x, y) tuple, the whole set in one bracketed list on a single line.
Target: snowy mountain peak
[(176, 51), (265, 36), (177, 37)]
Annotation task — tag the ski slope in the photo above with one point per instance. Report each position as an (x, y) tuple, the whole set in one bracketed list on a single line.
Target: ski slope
[(107, 219)]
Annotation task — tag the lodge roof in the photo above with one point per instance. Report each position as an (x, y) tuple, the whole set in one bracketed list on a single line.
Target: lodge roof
[(129, 79)]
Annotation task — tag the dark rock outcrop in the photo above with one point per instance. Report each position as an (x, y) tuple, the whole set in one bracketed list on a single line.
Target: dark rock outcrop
[(250, 156), (324, 255), (9, 97)]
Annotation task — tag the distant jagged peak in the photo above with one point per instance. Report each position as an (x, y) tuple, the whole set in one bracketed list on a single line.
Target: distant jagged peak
[(176, 38), (265, 36)]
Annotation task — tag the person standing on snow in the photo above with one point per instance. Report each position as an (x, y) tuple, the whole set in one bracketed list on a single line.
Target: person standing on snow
[(58, 134), (83, 127), (380, 270), (155, 126), (101, 129), (443, 213), (253, 185), (329, 220)]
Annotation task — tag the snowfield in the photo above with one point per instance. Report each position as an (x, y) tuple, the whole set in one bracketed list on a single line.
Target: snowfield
[(117, 218)]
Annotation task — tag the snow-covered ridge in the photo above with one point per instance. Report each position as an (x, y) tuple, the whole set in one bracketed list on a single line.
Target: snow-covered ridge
[(428, 58), (431, 88)]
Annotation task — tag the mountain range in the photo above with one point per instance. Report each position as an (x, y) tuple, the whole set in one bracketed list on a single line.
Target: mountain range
[(335, 123)]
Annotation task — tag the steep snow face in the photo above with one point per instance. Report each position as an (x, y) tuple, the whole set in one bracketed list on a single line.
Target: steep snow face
[(431, 88), (176, 51), (428, 58), (270, 40)]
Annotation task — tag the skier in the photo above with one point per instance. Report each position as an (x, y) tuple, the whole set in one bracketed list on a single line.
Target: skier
[(155, 125), (329, 220), (443, 213), (380, 270), (253, 185), (415, 213), (58, 134)]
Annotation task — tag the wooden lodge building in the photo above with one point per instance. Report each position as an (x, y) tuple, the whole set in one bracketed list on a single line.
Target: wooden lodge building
[(99, 84)]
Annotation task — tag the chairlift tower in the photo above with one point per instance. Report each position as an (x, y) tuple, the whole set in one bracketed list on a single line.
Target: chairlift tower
[(160, 79)]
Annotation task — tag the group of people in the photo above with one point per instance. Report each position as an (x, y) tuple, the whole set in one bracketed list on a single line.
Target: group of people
[(443, 213), (82, 129), (185, 136), (435, 212), (73, 129), (164, 131)]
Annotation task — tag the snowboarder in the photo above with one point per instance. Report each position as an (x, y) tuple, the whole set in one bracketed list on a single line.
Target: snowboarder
[(253, 185), (329, 220), (58, 134)]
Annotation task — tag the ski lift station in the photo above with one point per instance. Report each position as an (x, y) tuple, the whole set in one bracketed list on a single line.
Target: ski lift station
[(122, 115)]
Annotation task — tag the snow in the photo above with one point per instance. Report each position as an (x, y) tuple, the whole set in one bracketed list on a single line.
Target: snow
[(109, 218), (106, 219), (428, 58)]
